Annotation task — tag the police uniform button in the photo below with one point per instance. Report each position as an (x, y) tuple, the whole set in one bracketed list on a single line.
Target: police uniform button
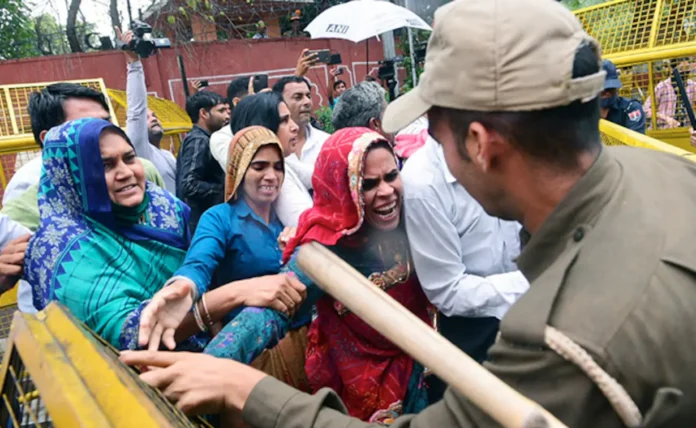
[(579, 234)]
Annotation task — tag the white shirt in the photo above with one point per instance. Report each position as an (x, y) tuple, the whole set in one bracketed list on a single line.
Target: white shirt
[(23, 178), (294, 197), (26, 176), (137, 128), (463, 256), (10, 230), (220, 145), (312, 146)]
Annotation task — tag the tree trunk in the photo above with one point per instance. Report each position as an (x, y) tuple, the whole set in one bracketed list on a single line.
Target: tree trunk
[(42, 42), (70, 29), (113, 13)]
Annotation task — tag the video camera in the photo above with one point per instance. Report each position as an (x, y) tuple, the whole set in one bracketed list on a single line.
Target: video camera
[(143, 43), (386, 70), (387, 74)]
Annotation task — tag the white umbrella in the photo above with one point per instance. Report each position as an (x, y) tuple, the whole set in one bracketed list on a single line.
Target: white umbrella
[(359, 20)]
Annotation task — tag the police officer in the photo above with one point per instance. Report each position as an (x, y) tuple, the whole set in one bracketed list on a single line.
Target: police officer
[(605, 335), (616, 109)]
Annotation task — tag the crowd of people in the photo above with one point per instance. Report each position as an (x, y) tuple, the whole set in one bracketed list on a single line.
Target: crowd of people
[(482, 201)]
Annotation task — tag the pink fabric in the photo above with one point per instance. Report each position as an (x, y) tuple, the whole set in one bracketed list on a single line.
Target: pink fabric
[(407, 144), (667, 100)]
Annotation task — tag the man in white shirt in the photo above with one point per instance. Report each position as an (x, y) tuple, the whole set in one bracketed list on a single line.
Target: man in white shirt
[(464, 257), (237, 90), (297, 94), (142, 125)]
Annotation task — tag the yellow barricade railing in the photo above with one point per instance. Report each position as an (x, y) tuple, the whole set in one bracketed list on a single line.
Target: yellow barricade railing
[(615, 135), (17, 145), (57, 373), (630, 28), (641, 37)]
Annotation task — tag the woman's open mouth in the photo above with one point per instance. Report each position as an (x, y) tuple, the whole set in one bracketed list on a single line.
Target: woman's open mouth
[(268, 190), (127, 189), (387, 212)]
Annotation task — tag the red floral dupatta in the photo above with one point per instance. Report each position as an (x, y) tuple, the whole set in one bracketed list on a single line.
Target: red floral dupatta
[(368, 372)]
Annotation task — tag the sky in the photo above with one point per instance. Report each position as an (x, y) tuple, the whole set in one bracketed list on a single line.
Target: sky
[(95, 11)]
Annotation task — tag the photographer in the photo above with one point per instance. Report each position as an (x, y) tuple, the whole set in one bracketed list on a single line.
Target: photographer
[(336, 87), (142, 125)]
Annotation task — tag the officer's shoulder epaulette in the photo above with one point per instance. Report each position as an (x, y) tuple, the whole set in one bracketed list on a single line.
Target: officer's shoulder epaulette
[(631, 104)]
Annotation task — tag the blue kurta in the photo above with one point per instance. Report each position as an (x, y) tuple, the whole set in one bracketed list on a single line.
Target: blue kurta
[(232, 243)]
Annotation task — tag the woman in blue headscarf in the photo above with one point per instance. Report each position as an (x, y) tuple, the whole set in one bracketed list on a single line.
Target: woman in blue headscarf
[(108, 239)]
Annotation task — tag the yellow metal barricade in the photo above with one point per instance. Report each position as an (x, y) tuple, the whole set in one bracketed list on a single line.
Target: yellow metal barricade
[(17, 145), (615, 135), (56, 373), (644, 38)]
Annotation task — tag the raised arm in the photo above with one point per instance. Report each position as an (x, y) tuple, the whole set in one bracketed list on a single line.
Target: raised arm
[(136, 95)]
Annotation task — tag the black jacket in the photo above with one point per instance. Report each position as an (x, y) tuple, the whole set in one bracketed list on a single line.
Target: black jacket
[(200, 182)]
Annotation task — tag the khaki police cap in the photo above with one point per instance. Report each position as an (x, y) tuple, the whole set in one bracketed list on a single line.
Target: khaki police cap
[(499, 55)]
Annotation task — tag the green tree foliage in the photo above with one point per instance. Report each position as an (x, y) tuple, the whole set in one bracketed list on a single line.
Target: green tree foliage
[(17, 36), (325, 116), (52, 39), (420, 37), (579, 4)]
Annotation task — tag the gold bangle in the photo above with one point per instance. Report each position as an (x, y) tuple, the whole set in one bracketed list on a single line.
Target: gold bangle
[(206, 313), (197, 316)]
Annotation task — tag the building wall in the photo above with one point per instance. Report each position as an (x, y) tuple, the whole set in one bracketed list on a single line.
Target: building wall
[(218, 62)]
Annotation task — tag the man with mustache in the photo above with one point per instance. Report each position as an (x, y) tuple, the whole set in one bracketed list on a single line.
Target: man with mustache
[(297, 94), (142, 125)]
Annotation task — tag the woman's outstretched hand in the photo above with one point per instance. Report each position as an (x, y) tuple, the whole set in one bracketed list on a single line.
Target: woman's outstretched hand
[(163, 315)]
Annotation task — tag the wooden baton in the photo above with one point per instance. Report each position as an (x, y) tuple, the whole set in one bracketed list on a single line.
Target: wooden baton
[(507, 406)]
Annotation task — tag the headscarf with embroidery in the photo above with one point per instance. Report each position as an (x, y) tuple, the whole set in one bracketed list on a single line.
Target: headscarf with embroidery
[(101, 260), (374, 378), (241, 153), (338, 208)]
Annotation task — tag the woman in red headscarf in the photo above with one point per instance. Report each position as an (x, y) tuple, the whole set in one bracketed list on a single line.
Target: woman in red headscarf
[(357, 215)]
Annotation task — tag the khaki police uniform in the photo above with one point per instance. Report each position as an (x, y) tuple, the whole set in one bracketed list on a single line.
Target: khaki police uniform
[(612, 269)]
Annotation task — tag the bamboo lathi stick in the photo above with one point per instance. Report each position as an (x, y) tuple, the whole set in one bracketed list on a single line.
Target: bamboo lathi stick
[(396, 323)]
